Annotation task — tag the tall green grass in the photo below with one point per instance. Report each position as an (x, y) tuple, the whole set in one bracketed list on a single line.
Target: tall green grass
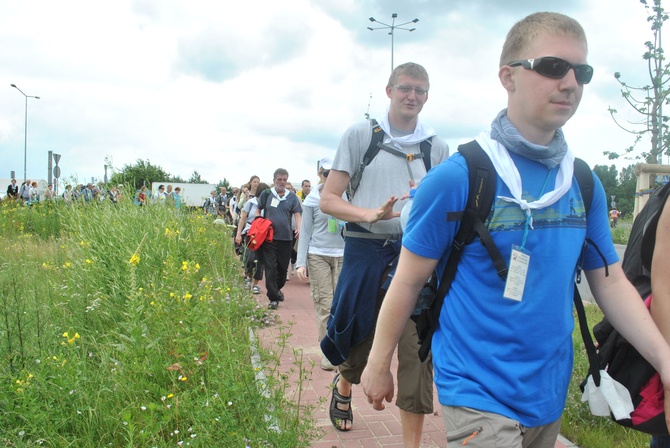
[(127, 326)]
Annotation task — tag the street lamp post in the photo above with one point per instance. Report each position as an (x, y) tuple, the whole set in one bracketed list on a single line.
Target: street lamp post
[(392, 27), (25, 132)]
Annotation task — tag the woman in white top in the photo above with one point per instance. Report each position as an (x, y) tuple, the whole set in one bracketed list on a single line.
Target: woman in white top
[(250, 258), (320, 250)]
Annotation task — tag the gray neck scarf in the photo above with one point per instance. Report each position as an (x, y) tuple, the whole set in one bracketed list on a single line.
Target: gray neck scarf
[(504, 132)]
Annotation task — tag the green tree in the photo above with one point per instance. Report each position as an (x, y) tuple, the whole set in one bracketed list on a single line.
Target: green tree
[(607, 176), (648, 100), (625, 190), (196, 178), (621, 186), (141, 173), (223, 183)]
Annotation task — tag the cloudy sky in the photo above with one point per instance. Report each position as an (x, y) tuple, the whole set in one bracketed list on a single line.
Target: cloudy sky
[(232, 89)]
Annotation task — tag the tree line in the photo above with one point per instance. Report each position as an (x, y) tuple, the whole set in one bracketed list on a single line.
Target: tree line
[(142, 172)]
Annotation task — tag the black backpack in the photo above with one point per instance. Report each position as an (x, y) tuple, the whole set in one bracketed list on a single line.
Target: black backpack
[(482, 179), (377, 144), (614, 352), (640, 249)]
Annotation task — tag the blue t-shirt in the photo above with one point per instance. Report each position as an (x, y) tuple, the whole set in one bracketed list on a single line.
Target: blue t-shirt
[(512, 358)]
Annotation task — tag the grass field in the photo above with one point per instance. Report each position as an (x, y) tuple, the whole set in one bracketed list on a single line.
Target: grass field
[(128, 326)]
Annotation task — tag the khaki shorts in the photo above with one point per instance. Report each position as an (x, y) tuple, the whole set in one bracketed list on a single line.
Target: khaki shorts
[(415, 378), (479, 429)]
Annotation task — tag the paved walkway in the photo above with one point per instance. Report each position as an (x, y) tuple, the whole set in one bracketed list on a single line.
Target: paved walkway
[(371, 428)]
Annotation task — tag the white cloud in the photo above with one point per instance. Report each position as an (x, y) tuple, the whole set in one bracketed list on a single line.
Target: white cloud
[(235, 89)]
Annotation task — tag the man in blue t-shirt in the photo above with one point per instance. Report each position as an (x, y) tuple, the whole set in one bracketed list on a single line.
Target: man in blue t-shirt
[(502, 351)]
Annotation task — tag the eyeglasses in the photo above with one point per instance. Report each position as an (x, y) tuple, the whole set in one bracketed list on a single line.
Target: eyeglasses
[(407, 89), (553, 67)]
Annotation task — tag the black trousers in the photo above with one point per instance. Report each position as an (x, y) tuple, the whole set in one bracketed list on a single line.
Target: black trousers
[(253, 261), (276, 257)]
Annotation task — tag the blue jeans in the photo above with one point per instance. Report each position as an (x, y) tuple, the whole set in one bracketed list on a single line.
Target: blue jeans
[(660, 442)]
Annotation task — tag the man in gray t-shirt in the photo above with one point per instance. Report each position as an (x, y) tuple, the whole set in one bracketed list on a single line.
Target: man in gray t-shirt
[(279, 205), (373, 237)]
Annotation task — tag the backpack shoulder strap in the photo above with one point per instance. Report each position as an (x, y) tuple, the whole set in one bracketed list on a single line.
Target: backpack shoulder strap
[(373, 148), (264, 198), (370, 153), (482, 180), (426, 147), (584, 178), (481, 194)]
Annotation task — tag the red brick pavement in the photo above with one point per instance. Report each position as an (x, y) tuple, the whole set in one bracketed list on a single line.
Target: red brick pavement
[(371, 428)]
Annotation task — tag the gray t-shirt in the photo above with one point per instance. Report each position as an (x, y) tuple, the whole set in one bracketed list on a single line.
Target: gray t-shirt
[(280, 211), (386, 175)]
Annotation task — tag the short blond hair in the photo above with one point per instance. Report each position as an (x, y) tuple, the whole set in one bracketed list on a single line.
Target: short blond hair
[(526, 30), (410, 69)]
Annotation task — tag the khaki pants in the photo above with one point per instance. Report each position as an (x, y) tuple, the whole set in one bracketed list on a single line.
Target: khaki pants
[(478, 429), (415, 378), (323, 274)]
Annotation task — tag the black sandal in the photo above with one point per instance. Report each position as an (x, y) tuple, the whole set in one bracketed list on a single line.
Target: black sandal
[(339, 416)]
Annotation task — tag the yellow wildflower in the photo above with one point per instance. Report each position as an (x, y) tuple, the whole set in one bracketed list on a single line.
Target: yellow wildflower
[(134, 259)]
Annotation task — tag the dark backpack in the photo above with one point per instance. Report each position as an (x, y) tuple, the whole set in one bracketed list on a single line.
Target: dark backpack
[(614, 352), (482, 179), (377, 144), (636, 262)]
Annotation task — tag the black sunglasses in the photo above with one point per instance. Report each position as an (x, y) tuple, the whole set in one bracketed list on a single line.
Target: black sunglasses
[(553, 67)]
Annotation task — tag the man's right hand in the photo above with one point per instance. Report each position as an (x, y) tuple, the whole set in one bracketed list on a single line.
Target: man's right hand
[(301, 272), (385, 211)]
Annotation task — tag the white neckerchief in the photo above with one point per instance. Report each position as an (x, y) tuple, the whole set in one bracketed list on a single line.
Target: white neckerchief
[(508, 172), (281, 198), (420, 133)]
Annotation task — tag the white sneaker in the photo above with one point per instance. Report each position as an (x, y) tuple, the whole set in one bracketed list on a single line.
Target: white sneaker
[(326, 365)]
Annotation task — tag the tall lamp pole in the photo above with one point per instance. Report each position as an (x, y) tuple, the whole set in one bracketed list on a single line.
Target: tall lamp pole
[(392, 27), (25, 132)]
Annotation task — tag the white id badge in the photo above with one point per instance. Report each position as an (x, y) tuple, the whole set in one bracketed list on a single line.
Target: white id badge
[(517, 273), (274, 202)]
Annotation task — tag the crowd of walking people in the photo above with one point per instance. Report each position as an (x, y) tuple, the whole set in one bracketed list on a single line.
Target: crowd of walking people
[(29, 194)]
